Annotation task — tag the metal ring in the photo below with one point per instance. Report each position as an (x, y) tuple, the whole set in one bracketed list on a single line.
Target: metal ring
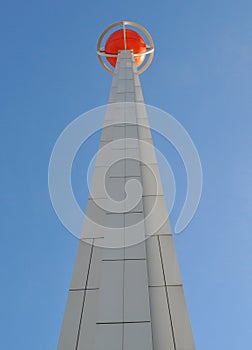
[(149, 51)]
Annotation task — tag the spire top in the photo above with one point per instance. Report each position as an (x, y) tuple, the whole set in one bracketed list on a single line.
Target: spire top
[(129, 36)]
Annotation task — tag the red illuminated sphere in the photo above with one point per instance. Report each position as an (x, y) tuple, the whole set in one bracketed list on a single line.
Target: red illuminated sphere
[(134, 42)]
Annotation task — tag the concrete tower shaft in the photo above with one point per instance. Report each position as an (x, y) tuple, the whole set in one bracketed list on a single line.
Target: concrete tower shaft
[(126, 291)]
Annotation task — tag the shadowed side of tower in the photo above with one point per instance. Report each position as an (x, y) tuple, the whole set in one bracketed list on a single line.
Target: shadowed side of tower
[(126, 291)]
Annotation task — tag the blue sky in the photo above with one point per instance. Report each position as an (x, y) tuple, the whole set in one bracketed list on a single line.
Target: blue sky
[(201, 74)]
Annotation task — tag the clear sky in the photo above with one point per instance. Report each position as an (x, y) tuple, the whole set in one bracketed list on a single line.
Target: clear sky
[(201, 74)]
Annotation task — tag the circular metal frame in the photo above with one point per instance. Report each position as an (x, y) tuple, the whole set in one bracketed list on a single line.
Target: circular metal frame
[(150, 50)]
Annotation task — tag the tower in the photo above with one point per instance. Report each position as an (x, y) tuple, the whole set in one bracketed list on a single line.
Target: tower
[(126, 291)]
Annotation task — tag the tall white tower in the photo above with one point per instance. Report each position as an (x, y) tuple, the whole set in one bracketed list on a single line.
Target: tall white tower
[(126, 291)]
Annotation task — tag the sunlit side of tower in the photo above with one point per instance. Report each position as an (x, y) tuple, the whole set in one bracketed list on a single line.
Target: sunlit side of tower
[(126, 291)]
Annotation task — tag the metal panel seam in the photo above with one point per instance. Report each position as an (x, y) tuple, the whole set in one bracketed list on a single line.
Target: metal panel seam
[(166, 292), (84, 296)]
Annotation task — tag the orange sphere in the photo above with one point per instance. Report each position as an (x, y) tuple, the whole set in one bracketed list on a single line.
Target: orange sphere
[(134, 42)]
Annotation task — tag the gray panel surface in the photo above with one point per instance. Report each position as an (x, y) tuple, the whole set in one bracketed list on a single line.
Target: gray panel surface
[(170, 262), (98, 186), (138, 94), (133, 218), (141, 110), (114, 239), (94, 215), (115, 155), (143, 131), (136, 251), (151, 180), (180, 319), (147, 153), (95, 268), (136, 297), (107, 133), (115, 220), (88, 324), (114, 253), (119, 132), (142, 122), (111, 292), (118, 144), (134, 228), (130, 206), (134, 225), (131, 131), (117, 169), (70, 325), (130, 112), (116, 188), (136, 78), (132, 152), (132, 143), (137, 336), (155, 271), (129, 86), (108, 156), (121, 85), (132, 167), (80, 271), (160, 320), (129, 97), (103, 143), (95, 212), (109, 337), (156, 215)]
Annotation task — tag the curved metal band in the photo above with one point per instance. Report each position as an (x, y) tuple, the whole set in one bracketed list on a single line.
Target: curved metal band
[(149, 52), (105, 54)]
